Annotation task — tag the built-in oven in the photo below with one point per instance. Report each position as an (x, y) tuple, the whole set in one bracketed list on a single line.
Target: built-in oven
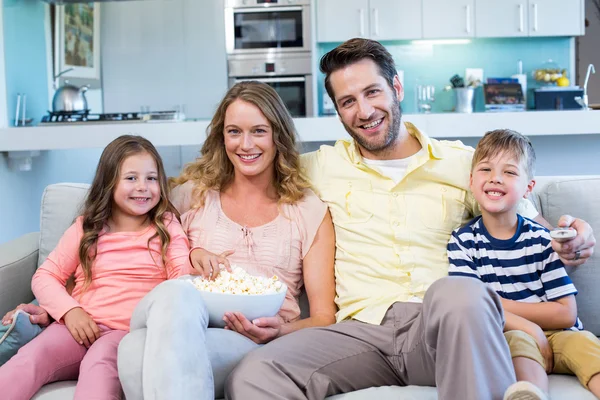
[(254, 26), (289, 74)]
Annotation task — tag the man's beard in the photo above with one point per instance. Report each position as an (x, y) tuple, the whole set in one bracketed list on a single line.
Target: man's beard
[(390, 136)]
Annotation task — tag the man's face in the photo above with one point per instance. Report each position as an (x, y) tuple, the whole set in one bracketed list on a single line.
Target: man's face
[(368, 108)]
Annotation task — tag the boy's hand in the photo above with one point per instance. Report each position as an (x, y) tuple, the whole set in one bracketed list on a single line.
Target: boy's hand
[(576, 251), (538, 334), (82, 327)]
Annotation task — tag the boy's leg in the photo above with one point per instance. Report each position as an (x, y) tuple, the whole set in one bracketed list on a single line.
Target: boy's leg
[(578, 353), (527, 359), (51, 356), (98, 376)]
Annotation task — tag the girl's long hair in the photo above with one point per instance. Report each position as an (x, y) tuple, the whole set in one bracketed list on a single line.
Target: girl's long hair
[(214, 171), (99, 202)]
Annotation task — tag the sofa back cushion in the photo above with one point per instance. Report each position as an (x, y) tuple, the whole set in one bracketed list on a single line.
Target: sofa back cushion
[(579, 197), (61, 204)]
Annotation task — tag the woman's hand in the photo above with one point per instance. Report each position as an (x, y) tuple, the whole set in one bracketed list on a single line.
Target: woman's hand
[(261, 330), (575, 251), (37, 315), (209, 264), (82, 327)]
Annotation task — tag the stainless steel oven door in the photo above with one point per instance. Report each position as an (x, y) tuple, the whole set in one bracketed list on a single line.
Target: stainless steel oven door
[(295, 91), (272, 29)]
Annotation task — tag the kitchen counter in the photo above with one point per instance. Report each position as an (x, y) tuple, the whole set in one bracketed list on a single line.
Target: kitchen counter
[(444, 125)]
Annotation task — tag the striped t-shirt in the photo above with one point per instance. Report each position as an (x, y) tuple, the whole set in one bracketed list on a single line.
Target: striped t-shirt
[(522, 268)]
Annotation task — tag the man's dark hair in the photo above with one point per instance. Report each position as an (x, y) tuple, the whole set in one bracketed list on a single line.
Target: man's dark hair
[(355, 50)]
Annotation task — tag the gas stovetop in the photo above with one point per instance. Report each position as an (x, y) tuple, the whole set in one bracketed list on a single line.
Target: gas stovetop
[(86, 118)]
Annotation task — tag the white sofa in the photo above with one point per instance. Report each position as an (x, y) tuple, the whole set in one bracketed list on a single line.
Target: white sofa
[(553, 196)]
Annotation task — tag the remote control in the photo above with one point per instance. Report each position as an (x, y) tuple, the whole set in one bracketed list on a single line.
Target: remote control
[(563, 234)]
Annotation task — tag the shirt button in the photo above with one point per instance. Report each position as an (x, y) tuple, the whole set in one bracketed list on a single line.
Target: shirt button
[(395, 194), (396, 223), (408, 274)]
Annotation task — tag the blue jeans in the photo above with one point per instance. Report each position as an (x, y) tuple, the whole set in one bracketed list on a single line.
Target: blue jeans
[(171, 353)]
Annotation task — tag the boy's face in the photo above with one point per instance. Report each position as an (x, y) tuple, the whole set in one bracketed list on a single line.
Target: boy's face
[(499, 183)]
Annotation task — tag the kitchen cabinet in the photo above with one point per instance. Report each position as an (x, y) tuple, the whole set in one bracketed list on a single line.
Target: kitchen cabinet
[(340, 20), (506, 18), (514, 18), (448, 19), (556, 18), (163, 55)]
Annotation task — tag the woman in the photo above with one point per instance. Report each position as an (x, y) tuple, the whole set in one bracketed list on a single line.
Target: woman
[(242, 202)]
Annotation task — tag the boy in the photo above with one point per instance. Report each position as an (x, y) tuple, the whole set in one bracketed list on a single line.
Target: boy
[(514, 256)]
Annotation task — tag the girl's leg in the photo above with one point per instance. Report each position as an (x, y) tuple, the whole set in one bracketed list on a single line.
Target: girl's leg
[(174, 361), (98, 376), (51, 356)]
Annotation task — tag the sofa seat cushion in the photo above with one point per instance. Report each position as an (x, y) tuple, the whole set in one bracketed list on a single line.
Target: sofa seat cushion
[(562, 387)]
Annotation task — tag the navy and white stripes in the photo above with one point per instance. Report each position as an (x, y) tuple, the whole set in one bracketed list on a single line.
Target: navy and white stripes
[(522, 268)]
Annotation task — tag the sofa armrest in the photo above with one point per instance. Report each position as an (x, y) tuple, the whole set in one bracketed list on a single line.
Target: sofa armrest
[(18, 262)]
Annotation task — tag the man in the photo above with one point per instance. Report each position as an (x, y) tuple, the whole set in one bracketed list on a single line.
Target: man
[(395, 196)]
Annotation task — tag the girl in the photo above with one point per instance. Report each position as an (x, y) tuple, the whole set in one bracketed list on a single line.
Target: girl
[(245, 203), (127, 241)]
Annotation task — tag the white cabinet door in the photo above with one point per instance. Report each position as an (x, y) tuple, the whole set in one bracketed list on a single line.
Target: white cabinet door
[(448, 19), (556, 18), (505, 18), (396, 19), (340, 20)]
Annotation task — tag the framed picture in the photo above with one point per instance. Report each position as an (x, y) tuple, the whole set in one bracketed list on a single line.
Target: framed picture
[(77, 42)]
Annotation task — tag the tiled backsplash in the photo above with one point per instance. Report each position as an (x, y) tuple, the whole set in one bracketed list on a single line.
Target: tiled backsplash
[(434, 64)]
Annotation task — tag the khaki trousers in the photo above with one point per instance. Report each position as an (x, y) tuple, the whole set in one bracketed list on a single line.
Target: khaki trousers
[(453, 340)]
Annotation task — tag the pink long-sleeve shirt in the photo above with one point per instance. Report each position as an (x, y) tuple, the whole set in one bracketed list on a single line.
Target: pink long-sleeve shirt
[(126, 268)]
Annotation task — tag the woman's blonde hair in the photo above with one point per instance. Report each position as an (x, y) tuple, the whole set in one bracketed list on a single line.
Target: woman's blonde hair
[(98, 205), (214, 171)]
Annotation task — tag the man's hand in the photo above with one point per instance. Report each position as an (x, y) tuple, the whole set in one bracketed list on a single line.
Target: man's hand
[(576, 251), (37, 315), (82, 327), (261, 330)]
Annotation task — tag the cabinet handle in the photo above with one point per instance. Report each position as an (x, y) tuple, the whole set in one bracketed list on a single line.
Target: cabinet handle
[(361, 22), (535, 17), (521, 18), (468, 18), (375, 12)]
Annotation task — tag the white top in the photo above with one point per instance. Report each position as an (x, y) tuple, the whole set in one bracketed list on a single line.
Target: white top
[(393, 169)]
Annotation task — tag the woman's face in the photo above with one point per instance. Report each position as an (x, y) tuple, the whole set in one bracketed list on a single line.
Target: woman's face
[(249, 140)]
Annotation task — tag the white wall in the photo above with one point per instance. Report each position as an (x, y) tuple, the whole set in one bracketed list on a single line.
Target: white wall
[(588, 48)]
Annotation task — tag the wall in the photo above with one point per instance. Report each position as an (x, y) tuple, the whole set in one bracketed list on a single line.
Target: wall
[(588, 52), (434, 64), (25, 69)]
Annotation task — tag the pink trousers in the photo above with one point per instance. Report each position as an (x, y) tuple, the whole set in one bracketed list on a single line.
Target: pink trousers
[(55, 356)]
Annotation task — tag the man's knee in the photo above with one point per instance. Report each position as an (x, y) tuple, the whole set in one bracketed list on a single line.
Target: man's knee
[(462, 297)]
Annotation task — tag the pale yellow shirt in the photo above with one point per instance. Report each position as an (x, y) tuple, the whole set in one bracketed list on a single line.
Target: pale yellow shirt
[(391, 238)]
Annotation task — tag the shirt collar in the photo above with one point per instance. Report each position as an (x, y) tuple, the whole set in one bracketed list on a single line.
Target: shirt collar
[(433, 149)]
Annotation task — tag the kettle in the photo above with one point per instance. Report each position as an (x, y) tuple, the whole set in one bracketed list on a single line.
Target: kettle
[(69, 98)]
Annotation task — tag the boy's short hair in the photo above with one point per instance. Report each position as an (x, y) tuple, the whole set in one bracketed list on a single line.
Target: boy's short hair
[(505, 140)]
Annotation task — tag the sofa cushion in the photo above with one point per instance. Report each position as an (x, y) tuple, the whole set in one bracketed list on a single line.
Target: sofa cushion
[(61, 203), (579, 197)]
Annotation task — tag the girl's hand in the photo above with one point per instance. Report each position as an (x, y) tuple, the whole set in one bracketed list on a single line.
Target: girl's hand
[(208, 264), (261, 330), (82, 327), (37, 315)]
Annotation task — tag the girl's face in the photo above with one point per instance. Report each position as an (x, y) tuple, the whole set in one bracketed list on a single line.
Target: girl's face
[(249, 139), (137, 190)]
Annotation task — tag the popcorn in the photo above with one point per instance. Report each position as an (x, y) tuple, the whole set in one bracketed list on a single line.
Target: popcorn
[(239, 282)]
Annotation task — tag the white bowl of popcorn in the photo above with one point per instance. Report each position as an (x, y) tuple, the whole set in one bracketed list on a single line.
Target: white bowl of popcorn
[(238, 291)]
